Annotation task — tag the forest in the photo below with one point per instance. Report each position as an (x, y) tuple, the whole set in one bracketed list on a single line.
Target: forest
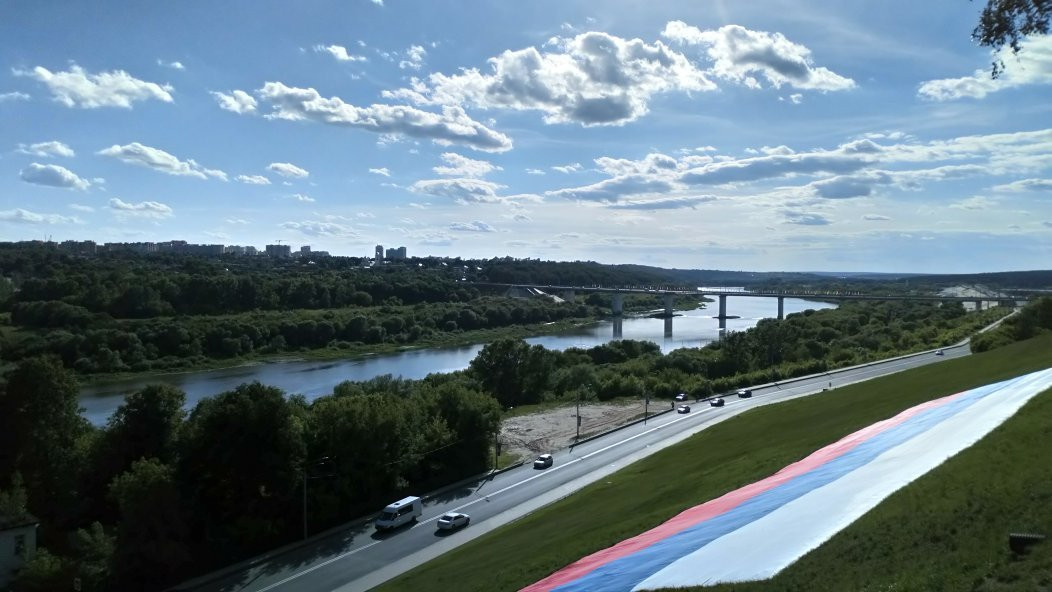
[(162, 493)]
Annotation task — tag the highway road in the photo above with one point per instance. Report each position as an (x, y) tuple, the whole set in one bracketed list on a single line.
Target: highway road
[(356, 558)]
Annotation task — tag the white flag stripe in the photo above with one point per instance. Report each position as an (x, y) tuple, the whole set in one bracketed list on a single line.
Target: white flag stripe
[(764, 547)]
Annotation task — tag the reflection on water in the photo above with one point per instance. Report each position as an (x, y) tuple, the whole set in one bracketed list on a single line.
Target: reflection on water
[(314, 379)]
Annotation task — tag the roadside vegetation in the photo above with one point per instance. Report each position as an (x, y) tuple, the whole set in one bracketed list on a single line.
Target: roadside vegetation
[(947, 531)]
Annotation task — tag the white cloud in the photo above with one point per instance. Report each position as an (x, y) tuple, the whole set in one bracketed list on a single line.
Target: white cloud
[(53, 176), (462, 191), (1032, 65), (432, 238), (414, 58), (172, 65), (612, 190), (238, 101), (382, 171), (159, 160), (875, 217), (236, 221), (253, 179), (117, 88), (302, 198), (317, 228), (13, 96), (143, 209), (451, 126), (462, 166), (20, 216), (476, 226), (535, 172), (1026, 185), (796, 98), (568, 168), (740, 55), (287, 169), (976, 202), (46, 149), (805, 218), (340, 53), (81, 208), (377, 2), (592, 79), (665, 203)]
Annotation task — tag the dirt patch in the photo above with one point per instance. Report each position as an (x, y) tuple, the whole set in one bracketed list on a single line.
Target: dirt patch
[(547, 431)]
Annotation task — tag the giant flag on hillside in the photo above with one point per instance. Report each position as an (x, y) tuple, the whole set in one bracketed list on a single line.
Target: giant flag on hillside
[(756, 531)]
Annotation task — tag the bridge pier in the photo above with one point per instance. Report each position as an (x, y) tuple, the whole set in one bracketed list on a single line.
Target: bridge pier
[(569, 295), (978, 305), (668, 327), (668, 304), (781, 308), (617, 327), (723, 309), (618, 305)]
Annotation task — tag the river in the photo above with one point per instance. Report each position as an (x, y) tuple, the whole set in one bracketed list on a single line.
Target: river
[(316, 378)]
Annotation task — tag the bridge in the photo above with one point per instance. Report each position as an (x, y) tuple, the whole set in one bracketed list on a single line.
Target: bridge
[(670, 292)]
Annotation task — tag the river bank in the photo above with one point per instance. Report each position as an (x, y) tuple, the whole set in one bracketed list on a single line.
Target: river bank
[(315, 377)]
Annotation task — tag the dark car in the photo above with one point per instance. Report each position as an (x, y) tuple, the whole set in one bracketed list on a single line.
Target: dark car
[(744, 393), (683, 409), (717, 402)]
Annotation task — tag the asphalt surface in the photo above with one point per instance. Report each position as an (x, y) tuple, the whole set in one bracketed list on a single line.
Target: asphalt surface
[(358, 558)]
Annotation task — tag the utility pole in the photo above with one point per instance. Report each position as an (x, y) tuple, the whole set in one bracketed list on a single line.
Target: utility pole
[(578, 417), (303, 472)]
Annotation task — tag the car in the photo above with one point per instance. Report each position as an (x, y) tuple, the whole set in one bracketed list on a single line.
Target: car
[(543, 461), (453, 521), (717, 402), (744, 393), (938, 352), (681, 397), (683, 409)]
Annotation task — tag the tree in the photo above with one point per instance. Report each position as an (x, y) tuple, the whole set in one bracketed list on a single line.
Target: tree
[(151, 536), (1007, 22), (240, 454), (40, 407)]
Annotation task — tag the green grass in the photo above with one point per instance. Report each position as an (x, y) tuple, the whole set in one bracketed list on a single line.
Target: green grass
[(947, 531)]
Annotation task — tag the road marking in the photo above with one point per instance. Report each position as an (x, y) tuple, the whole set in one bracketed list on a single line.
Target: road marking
[(818, 385), (319, 566)]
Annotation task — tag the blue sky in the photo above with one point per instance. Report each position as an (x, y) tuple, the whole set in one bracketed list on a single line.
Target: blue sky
[(758, 135)]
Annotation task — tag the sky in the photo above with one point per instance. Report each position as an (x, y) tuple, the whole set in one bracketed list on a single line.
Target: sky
[(764, 135)]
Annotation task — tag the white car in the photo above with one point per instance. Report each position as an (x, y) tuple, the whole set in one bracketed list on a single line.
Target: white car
[(543, 461), (453, 521), (683, 409), (681, 397), (938, 352)]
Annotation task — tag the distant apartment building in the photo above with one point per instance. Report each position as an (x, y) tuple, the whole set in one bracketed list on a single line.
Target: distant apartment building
[(234, 250), (279, 251), (398, 253), (131, 247), (304, 251), (251, 251), (87, 247), (379, 256)]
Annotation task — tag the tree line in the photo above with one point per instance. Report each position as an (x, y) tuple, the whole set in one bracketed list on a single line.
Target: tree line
[(159, 495), (96, 345)]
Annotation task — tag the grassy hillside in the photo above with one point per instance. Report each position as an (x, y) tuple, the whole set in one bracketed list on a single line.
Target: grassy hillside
[(947, 531)]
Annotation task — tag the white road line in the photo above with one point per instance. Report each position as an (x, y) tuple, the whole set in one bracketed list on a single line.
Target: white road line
[(687, 417)]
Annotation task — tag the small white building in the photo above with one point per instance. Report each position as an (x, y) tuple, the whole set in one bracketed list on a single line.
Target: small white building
[(18, 544)]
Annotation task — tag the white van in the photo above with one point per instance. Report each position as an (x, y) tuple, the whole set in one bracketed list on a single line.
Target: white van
[(401, 512)]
